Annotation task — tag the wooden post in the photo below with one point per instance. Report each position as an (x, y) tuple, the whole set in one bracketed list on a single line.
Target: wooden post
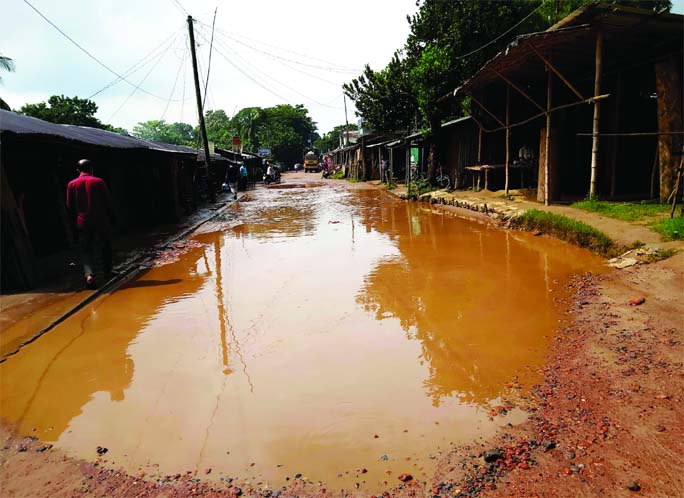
[(391, 165), (508, 137), (616, 138), (597, 115), (669, 90), (479, 145), (547, 138)]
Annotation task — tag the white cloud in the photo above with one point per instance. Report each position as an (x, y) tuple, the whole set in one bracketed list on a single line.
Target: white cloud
[(120, 33)]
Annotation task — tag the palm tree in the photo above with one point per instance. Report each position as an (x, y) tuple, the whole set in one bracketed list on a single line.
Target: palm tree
[(6, 64)]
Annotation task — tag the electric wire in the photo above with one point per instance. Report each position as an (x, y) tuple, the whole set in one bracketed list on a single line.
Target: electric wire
[(173, 89), (301, 71), (502, 34), (85, 51), (340, 66), (272, 92), (254, 69), (182, 109), (265, 76), (138, 86), (313, 66), (147, 59), (211, 46), (180, 6)]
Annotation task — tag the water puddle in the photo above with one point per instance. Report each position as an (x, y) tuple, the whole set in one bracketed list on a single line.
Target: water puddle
[(329, 331)]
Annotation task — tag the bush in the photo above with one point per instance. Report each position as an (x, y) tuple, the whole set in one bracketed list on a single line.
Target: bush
[(418, 188), (628, 211), (670, 228), (567, 229), (338, 176)]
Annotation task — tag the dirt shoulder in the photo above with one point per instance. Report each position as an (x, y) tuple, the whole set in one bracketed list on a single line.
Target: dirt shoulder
[(609, 420)]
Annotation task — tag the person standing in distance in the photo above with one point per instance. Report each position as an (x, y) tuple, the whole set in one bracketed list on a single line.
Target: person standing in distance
[(90, 208)]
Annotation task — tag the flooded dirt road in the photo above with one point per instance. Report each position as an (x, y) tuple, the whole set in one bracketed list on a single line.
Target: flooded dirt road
[(322, 331)]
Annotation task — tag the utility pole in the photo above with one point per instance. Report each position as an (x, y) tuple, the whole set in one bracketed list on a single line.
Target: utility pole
[(200, 112), (346, 121)]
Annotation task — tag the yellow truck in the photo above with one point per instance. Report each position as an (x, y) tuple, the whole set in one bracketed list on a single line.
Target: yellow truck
[(311, 162)]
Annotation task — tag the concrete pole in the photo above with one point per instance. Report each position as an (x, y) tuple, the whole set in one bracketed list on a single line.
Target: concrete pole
[(547, 138), (508, 137), (597, 115), (200, 112)]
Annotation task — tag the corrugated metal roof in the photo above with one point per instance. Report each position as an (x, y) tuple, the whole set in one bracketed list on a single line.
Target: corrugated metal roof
[(456, 121), (629, 33), (11, 122)]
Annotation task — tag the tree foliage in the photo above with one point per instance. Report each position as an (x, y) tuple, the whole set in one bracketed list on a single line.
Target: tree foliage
[(65, 110), (448, 41), (220, 129), (159, 130), (384, 99), (287, 130), (331, 140)]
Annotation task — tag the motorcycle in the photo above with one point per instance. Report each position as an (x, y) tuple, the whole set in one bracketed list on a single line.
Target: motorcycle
[(273, 178)]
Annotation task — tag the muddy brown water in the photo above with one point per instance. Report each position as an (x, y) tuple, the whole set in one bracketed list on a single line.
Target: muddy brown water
[(319, 332)]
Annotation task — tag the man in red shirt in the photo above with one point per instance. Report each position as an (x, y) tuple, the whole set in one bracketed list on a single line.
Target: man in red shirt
[(90, 207)]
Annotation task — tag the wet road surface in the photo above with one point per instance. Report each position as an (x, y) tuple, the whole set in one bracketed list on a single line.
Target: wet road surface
[(320, 331)]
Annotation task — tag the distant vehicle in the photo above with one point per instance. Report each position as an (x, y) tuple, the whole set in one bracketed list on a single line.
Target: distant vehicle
[(298, 166), (311, 162)]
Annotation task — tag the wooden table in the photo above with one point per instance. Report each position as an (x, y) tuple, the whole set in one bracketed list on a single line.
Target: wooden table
[(486, 168)]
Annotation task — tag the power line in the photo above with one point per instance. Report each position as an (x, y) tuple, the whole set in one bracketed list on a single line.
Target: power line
[(211, 46), (135, 67), (306, 56), (89, 54), (301, 71), (180, 6), (502, 34), (313, 66), (185, 44), (180, 66), (258, 71), (137, 87), (250, 77)]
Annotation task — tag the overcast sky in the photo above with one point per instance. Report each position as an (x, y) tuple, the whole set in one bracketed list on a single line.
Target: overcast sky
[(306, 49), (266, 52)]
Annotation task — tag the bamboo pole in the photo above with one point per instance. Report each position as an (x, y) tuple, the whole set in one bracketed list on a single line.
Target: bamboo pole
[(539, 115), (479, 145), (597, 116), (518, 89), (547, 138), (487, 110), (556, 71), (508, 137)]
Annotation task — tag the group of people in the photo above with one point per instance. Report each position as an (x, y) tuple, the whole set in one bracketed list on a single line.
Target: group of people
[(92, 216)]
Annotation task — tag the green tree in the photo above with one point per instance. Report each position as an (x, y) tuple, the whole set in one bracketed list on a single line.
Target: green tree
[(331, 140), (247, 123), (65, 110), (385, 99), (288, 130), (220, 128), (159, 130), (6, 64)]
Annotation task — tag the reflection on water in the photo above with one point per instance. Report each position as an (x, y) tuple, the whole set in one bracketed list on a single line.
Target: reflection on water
[(287, 343)]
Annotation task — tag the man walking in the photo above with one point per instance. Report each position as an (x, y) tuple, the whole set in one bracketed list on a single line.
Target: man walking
[(90, 208), (242, 182)]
